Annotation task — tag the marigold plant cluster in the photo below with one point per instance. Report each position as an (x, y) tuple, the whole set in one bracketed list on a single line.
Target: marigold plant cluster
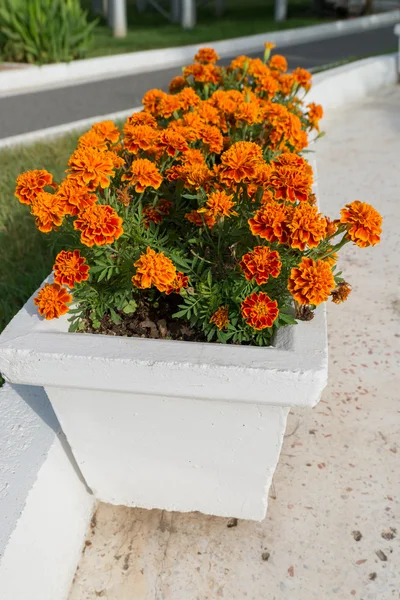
[(203, 202)]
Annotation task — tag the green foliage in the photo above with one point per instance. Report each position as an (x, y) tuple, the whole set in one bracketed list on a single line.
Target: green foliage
[(44, 31)]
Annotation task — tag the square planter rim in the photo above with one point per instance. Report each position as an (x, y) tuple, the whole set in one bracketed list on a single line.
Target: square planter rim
[(34, 351)]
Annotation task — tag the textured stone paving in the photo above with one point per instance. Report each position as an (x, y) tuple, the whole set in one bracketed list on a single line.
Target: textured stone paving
[(330, 531)]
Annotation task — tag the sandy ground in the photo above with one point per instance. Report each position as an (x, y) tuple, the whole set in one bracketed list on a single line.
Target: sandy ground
[(330, 532)]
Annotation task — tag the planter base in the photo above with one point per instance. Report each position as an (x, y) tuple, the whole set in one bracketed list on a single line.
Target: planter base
[(171, 453)]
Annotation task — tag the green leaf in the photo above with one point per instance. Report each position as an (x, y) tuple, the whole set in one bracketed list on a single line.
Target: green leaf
[(180, 313), (130, 308), (288, 319), (116, 319)]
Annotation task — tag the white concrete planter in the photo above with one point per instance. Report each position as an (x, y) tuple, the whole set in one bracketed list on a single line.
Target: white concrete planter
[(165, 424)]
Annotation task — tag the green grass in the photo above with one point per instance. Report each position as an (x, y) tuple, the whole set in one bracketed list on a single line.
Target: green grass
[(26, 254), (241, 17)]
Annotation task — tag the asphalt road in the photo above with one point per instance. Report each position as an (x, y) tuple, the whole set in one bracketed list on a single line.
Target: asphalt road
[(29, 112)]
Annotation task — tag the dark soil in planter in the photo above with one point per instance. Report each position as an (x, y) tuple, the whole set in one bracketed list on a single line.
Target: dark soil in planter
[(149, 322)]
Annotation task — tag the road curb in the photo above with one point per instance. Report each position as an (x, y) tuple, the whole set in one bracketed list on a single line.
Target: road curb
[(57, 131), (108, 67), (332, 88)]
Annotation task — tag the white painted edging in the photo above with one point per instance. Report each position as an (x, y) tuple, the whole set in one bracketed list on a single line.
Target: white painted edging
[(40, 558), (352, 82), (80, 71), (57, 131), (332, 88)]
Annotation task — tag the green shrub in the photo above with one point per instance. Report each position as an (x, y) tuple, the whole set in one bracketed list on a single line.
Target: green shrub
[(44, 31)]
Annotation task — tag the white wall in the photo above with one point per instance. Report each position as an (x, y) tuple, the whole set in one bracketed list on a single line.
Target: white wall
[(28, 427), (45, 507)]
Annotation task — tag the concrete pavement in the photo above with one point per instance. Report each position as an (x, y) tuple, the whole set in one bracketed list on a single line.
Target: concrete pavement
[(38, 110)]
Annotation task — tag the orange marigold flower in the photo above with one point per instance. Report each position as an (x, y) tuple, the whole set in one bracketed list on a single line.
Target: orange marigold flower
[(364, 223), (107, 130), (180, 282), (30, 183), (268, 85), (307, 227), (267, 197), (293, 160), (207, 113), (49, 211), (188, 98), (260, 263), (171, 142), (269, 45), (193, 155), (315, 114), (139, 137), (177, 84), (157, 212), (240, 163), (341, 292), (311, 282), (286, 83), (92, 167), (151, 101), (154, 268), (169, 104), (99, 225), (248, 112), (201, 219), (123, 195), (259, 311), (194, 175), (116, 160), (75, 196), (278, 63), (283, 127), (52, 301), (221, 317), (143, 173), (271, 222), (291, 181), (142, 118), (331, 227), (257, 68), (226, 100), (240, 62), (189, 133), (212, 137), (262, 175), (219, 204), (206, 55), (70, 268), (91, 139), (303, 77), (203, 73)]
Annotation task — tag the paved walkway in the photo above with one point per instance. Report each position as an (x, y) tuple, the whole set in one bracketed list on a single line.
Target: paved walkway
[(339, 469), (29, 112)]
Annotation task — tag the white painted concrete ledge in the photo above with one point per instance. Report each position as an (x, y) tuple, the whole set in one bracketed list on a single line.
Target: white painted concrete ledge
[(44, 501), (106, 67)]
